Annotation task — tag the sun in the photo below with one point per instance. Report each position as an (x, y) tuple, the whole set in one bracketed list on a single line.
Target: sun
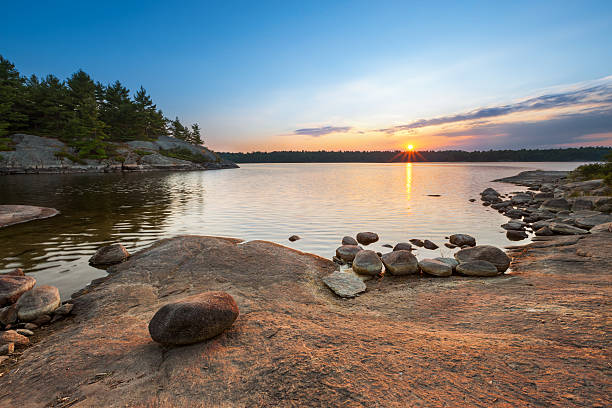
[(409, 147)]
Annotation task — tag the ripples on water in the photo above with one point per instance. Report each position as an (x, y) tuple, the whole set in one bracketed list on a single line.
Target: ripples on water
[(319, 202)]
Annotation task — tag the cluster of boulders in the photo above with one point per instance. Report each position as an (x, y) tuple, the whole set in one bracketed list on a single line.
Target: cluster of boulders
[(25, 307), (545, 209), (472, 260)]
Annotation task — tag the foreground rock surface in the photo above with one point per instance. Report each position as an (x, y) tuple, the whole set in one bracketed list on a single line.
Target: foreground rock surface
[(109, 255), (533, 338), (194, 319), (16, 214), (344, 284)]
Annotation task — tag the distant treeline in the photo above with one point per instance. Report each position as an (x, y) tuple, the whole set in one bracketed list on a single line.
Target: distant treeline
[(83, 113), (523, 155)]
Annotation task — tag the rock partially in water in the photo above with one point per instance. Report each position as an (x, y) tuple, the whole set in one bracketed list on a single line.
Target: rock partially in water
[(387, 245), (487, 253), (347, 252), (367, 238), (349, 241), (489, 191), (193, 319), (109, 255), (435, 267), (366, 262), (16, 214), (462, 239), (449, 245), (38, 302), (417, 242), (430, 245), (514, 235), (11, 336), (477, 268), (14, 286), (294, 238), (400, 262), (514, 226), (403, 246), (344, 284)]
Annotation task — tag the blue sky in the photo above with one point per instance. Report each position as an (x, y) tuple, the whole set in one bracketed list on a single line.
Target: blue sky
[(340, 74)]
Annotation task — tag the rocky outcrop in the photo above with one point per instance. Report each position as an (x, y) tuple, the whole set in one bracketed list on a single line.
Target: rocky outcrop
[(16, 214), (35, 154)]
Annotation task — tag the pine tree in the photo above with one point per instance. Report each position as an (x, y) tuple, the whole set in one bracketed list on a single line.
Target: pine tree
[(196, 136), (150, 121), (119, 112), (178, 130), (11, 93), (48, 106)]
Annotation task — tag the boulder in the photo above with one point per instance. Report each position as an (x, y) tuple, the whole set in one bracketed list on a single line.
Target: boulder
[(522, 198), (477, 268), (403, 246), (580, 204), (366, 262), (566, 229), (514, 235), (452, 262), (109, 255), (344, 284), (462, 239), (435, 267), (193, 319), (13, 286), (515, 213), (37, 302), (400, 262), (544, 232), (555, 204), (416, 242), (367, 238), (429, 245), (487, 253), (294, 238), (11, 336), (347, 252), (514, 226), (592, 220), (490, 192), (349, 241), (64, 309)]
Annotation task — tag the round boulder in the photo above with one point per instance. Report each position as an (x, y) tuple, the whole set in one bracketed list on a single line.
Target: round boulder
[(487, 253), (37, 302), (193, 319), (429, 245), (462, 239), (417, 242), (367, 238), (366, 262), (294, 238), (403, 246), (400, 262), (452, 262), (435, 268), (13, 286), (347, 252), (514, 235), (477, 268), (109, 255), (349, 241)]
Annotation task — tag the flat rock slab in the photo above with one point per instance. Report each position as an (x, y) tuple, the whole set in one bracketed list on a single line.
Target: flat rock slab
[(344, 284), (530, 339), (16, 214)]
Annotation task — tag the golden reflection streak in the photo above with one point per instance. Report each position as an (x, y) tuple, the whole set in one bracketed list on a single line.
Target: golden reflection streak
[(408, 180)]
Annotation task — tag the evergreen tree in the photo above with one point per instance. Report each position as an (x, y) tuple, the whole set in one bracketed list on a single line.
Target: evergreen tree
[(48, 106), (196, 138), (11, 93), (118, 112), (178, 130), (150, 121)]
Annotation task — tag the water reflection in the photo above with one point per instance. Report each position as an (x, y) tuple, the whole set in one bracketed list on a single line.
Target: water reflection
[(408, 180)]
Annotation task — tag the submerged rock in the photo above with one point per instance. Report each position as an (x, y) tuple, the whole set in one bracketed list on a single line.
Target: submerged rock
[(488, 253), (462, 239), (194, 319), (109, 255), (400, 262), (367, 238), (344, 284), (13, 286), (477, 268), (430, 245), (349, 241), (435, 267), (37, 302), (366, 262)]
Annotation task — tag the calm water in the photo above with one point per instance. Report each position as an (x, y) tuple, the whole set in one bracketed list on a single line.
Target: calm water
[(319, 202)]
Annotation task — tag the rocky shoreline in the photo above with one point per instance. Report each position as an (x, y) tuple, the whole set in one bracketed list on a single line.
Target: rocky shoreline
[(43, 155), (535, 335), (16, 214)]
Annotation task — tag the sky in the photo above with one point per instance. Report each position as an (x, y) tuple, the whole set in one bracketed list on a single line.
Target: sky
[(341, 75)]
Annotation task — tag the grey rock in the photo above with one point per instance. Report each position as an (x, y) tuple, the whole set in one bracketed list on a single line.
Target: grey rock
[(522, 198), (366, 262), (488, 253), (41, 320), (435, 267), (429, 245), (462, 239), (514, 235), (503, 204), (109, 255), (416, 242), (194, 319), (37, 302), (347, 252), (593, 220), (403, 246), (566, 229), (489, 192), (400, 262), (12, 287), (344, 284), (25, 332), (449, 245), (544, 232), (7, 349), (555, 204), (477, 268), (584, 185), (338, 260), (580, 204), (8, 315), (514, 226), (64, 309), (543, 196), (452, 262), (607, 227), (367, 238), (349, 241)]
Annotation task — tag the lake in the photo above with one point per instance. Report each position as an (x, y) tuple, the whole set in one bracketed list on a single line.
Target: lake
[(319, 202)]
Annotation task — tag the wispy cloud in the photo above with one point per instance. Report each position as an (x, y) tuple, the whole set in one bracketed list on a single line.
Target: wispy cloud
[(321, 131)]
